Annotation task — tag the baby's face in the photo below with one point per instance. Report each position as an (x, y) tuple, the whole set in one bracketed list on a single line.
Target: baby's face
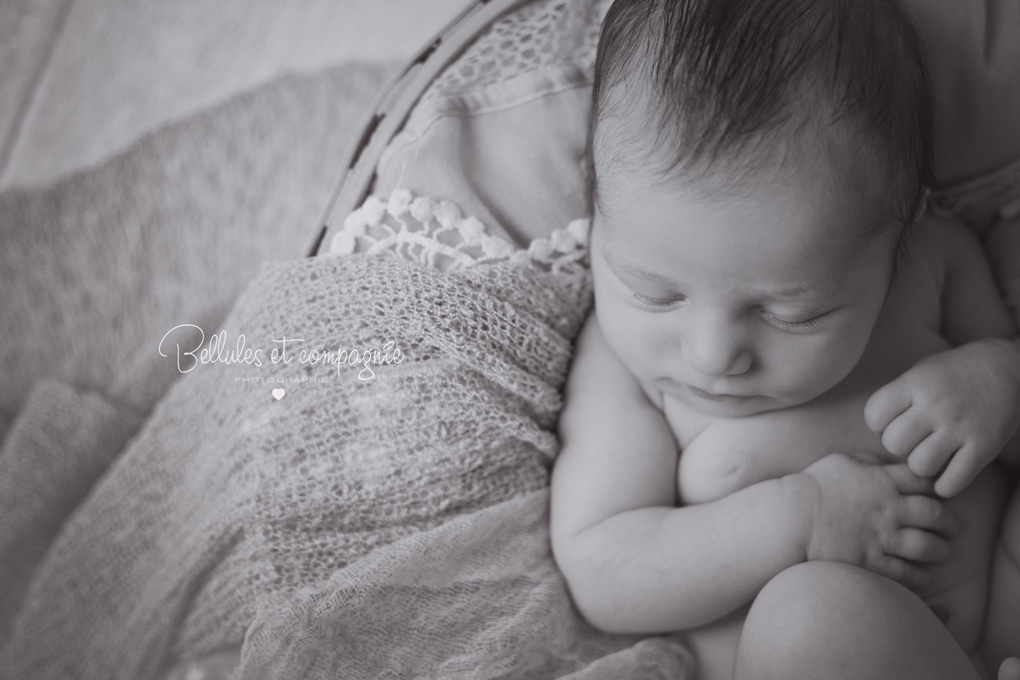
[(736, 305)]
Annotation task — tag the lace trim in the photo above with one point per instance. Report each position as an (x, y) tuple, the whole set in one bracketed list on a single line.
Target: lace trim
[(537, 35), (433, 233)]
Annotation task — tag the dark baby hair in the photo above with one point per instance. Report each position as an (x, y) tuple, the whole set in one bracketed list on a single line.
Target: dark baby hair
[(712, 79)]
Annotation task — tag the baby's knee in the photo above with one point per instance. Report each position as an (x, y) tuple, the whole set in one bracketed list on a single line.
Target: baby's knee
[(826, 619), (800, 617)]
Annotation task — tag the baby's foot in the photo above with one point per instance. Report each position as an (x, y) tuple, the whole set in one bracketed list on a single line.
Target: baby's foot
[(1010, 669)]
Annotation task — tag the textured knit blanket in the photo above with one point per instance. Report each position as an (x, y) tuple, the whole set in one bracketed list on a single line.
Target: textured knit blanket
[(343, 515)]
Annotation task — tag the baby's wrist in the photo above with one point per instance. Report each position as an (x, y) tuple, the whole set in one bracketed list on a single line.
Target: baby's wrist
[(802, 494), (1006, 351), (1006, 355)]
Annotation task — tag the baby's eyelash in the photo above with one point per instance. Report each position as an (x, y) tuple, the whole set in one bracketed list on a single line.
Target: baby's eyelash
[(793, 326), (655, 305)]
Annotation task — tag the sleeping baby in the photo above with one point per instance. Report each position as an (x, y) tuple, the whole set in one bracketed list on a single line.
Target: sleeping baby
[(793, 381)]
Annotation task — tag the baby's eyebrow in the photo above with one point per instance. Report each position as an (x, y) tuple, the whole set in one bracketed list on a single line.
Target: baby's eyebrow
[(794, 293), (804, 298), (798, 293), (635, 271)]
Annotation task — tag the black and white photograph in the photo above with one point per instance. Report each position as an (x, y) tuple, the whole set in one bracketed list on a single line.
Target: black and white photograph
[(510, 340)]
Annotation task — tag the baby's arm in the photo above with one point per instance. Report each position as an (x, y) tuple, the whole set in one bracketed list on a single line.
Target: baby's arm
[(961, 406), (636, 563)]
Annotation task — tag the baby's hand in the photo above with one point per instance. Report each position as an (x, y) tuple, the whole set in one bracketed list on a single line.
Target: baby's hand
[(962, 404), (874, 516)]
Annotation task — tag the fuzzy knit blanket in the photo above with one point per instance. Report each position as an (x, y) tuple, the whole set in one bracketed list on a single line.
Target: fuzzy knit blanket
[(341, 515)]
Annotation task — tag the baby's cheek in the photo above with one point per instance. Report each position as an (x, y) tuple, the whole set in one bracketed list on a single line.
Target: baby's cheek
[(814, 365), (645, 345)]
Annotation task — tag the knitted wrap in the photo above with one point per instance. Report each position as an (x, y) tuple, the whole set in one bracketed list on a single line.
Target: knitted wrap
[(231, 501)]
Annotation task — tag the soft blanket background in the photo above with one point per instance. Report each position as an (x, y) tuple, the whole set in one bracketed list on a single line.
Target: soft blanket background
[(152, 156), (107, 261), (396, 525)]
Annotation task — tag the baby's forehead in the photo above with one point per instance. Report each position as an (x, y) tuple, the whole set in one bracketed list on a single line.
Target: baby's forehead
[(832, 199), (632, 124), (625, 158), (628, 151)]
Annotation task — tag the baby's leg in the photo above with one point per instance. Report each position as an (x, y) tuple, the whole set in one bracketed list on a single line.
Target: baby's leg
[(1002, 621), (715, 645), (831, 620)]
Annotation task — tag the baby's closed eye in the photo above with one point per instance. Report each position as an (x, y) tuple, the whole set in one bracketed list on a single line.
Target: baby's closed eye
[(658, 304), (808, 324)]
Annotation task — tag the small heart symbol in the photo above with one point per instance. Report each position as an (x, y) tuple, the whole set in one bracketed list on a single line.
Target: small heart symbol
[(278, 393)]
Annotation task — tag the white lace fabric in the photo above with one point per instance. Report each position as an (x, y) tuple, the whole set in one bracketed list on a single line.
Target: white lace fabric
[(435, 234), (539, 35)]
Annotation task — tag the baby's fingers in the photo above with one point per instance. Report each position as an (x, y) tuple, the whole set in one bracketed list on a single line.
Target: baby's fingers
[(907, 482), (927, 513), (931, 455), (885, 404), (906, 432), (898, 570), (917, 545), (961, 471)]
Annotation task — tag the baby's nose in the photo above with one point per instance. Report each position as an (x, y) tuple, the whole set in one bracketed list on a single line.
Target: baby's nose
[(715, 349)]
